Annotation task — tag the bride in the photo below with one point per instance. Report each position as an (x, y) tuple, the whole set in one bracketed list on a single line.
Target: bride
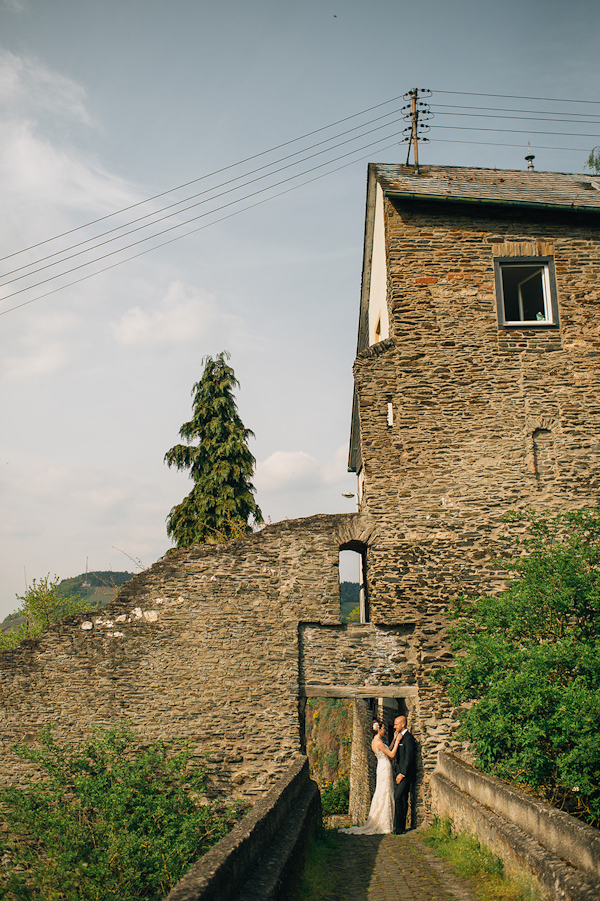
[(381, 814)]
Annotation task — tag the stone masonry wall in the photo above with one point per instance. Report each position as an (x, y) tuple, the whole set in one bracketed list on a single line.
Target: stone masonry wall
[(363, 763), (220, 645), (202, 646), (485, 420), (217, 645)]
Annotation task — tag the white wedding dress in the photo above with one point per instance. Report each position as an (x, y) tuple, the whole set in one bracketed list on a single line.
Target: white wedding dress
[(381, 814)]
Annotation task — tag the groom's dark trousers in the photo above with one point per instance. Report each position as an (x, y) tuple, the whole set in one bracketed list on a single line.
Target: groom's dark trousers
[(405, 764)]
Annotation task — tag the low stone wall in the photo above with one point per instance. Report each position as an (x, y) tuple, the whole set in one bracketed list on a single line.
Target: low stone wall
[(559, 850), (262, 857)]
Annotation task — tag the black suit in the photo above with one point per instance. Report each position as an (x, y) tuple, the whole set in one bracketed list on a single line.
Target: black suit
[(405, 764)]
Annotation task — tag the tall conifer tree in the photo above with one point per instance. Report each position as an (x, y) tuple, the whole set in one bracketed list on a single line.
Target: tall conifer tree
[(221, 503)]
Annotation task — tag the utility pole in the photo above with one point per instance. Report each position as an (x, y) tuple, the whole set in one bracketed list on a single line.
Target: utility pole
[(415, 119), (417, 110)]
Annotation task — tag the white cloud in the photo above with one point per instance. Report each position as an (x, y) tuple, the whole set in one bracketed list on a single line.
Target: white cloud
[(185, 315), (36, 363), (287, 469), (41, 350), (14, 6), (58, 512), (43, 177), (337, 467), (297, 470), (28, 85), (294, 483), (41, 172)]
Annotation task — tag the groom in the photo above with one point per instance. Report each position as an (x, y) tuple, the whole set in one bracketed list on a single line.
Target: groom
[(404, 773)]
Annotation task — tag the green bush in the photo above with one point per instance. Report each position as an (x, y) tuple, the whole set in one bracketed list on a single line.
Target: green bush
[(331, 759), (41, 605), (328, 738), (529, 661), (106, 820), (335, 798)]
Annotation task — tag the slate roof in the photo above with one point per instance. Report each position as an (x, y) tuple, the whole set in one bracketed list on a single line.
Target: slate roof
[(509, 186)]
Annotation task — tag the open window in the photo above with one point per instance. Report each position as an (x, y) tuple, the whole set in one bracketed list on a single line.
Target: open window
[(353, 583), (526, 292)]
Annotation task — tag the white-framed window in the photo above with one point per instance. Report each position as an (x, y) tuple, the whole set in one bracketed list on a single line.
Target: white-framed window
[(526, 291)]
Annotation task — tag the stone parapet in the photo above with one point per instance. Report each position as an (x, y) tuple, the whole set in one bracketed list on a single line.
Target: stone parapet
[(559, 850), (263, 856)]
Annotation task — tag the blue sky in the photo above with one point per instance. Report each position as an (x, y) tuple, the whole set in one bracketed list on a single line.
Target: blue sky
[(105, 104)]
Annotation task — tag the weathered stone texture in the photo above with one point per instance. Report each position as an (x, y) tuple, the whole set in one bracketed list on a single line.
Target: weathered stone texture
[(363, 763), (471, 401), (219, 645), (203, 646), (358, 654), (559, 850)]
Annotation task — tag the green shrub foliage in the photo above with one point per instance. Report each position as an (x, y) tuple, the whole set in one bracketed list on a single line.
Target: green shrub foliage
[(593, 160), (221, 503), (106, 821), (335, 798), (41, 605), (529, 659)]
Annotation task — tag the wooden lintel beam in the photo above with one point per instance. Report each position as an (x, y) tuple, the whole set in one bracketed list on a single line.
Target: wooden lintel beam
[(358, 691)]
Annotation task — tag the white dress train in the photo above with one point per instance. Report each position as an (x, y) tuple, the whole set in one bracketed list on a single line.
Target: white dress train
[(381, 814)]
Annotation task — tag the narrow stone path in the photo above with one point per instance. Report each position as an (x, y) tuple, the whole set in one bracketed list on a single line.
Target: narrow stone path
[(393, 868)]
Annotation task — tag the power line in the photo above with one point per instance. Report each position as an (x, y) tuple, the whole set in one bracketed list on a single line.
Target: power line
[(518, 97), (191, 232), (562, 134), (237, 186), (502, 109), (475, 110), (179, 203), (498, 144), (524, 118), (203, 177), (193, 219), (269, 171)]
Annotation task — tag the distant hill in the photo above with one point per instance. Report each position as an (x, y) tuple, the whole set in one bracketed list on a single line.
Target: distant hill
[(87, 584), (97, 588), (349, 598)]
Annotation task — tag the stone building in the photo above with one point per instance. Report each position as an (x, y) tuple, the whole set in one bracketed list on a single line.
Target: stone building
[(476, 391), (477, 367)]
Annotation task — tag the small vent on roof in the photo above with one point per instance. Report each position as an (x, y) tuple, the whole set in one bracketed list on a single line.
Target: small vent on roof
[(529, 156), (595, 184)]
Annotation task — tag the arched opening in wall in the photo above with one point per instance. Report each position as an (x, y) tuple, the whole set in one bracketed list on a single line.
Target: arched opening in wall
[(354, 605)]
